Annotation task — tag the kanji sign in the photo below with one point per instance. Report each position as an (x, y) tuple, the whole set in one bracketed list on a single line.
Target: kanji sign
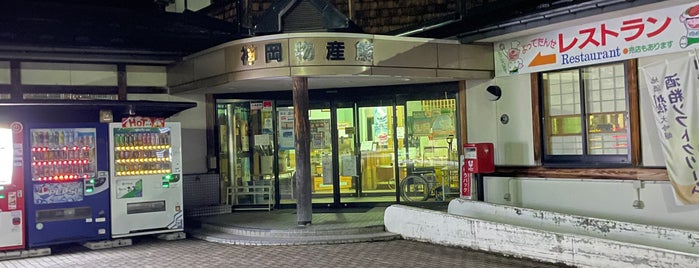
[(661, 31)]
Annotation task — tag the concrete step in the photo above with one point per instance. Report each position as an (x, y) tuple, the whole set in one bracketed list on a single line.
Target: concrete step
[(236, 239), (300, 231)]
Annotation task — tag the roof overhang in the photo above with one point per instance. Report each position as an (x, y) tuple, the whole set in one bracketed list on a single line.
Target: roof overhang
[(369, 60)]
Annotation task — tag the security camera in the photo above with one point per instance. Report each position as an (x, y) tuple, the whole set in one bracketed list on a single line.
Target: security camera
[(494, 92)]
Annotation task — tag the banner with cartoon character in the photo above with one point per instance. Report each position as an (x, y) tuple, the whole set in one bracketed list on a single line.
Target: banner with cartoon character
[(656, 32), (672, 86)]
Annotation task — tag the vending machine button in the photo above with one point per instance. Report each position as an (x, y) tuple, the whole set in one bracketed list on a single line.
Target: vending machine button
[(167, 177), (2, 187), (166, 184), (2, 196), (89, 189)]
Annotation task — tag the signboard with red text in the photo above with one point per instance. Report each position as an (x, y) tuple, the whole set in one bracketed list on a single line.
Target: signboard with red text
[(138, 121), (656, 32)]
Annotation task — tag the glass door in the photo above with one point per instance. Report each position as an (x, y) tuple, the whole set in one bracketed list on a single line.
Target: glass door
[(429, 158), (247, 153), (377, 138), (347, 150), (322, 172), (286, 157)]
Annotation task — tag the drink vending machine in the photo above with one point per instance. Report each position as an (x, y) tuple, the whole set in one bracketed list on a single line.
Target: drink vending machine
[(67, 184), (11, 187), (146, 169)]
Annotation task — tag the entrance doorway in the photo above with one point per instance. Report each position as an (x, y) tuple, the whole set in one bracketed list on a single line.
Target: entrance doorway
[(370, 151)]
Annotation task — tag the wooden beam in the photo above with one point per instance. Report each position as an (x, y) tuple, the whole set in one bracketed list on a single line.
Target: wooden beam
[(647, 174), (304, 213)]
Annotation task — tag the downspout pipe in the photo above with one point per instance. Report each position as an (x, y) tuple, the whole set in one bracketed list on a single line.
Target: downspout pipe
[(433, 26)]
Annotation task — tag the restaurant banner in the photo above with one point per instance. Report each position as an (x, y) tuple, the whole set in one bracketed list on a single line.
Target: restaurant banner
[(672, 86), (650, 33)]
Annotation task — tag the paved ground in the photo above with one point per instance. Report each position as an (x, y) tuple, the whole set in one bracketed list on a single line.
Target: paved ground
[(148, 252)]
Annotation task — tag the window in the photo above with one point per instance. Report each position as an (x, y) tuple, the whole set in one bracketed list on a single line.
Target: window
[(585, 118)]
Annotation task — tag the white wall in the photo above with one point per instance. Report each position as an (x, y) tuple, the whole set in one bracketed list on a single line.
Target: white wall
[(608, 199), (611, 199), (193, 129), (513, 141)]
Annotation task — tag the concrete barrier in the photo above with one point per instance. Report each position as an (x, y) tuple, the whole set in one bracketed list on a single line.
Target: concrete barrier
[(635, 233), (518, 241)]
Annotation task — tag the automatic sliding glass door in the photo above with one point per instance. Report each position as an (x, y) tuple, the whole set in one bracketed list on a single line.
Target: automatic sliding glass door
[(377, 138)]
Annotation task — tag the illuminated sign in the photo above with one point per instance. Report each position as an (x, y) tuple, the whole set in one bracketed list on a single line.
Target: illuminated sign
[(6, 156)]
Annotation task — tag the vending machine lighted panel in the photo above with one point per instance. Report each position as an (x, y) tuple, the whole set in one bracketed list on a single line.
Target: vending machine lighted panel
[(146, 169), (67, 184), (11, 187)]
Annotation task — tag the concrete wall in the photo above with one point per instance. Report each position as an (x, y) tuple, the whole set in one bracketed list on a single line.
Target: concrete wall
[(556, 247), (641, 234), (193, 129)]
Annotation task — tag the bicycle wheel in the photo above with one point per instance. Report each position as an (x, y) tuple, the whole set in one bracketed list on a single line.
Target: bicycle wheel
[(414, 188)]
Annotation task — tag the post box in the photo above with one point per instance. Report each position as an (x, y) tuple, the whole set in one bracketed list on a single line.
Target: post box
[(479, 158)]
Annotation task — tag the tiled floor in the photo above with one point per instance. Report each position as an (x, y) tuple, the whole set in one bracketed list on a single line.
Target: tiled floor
[(149, 252), (287, 219)]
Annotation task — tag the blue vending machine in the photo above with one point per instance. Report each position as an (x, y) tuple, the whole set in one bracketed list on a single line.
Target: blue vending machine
[(67, 183)]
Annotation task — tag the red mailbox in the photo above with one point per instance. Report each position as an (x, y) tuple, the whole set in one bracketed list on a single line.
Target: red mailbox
[(477, 158)]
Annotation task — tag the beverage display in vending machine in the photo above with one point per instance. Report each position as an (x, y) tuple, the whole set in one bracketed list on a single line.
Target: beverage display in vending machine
[(146, 168), (11, 187), (67, 195)]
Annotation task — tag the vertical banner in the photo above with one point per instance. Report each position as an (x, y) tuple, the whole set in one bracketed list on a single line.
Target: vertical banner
[(465, 179), (672, 86)]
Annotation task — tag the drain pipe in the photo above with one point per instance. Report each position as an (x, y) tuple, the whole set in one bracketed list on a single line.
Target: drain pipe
[(434, 26)]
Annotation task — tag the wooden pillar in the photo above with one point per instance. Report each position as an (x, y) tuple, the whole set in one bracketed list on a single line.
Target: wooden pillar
[(463, 123), (16, 81), (121, 82), (302, 145)]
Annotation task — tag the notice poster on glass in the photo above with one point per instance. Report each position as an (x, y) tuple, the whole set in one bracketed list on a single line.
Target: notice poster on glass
[(286, 130), (320, 134), (422, 124), (327, 163), (349, 165)]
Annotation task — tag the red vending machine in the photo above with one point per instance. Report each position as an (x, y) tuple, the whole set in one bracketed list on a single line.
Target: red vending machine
[(11, 187)]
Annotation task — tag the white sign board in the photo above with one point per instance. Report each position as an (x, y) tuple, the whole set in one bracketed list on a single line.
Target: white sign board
[(644, 34)]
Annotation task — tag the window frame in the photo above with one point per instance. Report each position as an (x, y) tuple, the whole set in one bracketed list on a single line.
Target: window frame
[(632, 158)]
